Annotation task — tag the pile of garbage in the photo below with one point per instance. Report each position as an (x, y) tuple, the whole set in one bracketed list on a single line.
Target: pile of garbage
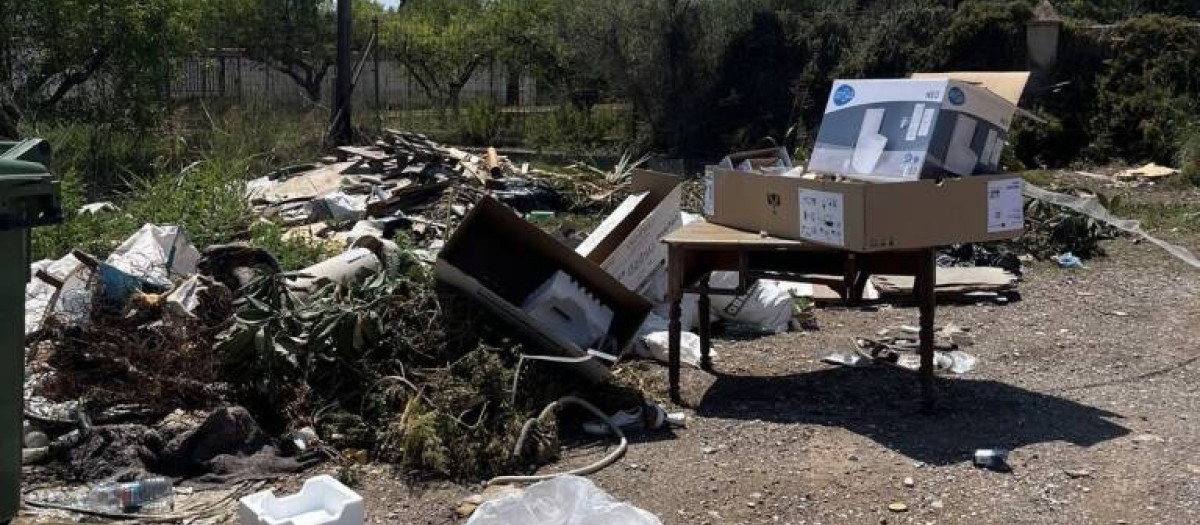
[(359, 357)]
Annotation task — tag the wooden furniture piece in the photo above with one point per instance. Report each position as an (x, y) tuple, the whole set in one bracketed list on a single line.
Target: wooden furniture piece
[(698, 249)]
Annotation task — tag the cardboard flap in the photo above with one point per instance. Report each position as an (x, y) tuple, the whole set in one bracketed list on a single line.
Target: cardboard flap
[(1009, 85), (616, 228)]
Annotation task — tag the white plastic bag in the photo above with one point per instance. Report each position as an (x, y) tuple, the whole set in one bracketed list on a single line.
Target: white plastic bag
[(156, 254), (765, 305), (565, 500)]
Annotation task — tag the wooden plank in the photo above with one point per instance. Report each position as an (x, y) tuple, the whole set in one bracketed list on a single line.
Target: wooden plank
[(709, 234), (366, 153)]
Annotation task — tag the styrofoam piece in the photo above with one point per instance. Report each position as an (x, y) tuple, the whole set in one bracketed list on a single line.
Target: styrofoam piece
[(569, 311), (322, 501)]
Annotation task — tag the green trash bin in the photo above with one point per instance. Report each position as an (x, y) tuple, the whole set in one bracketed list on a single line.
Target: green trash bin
[(29, 197)]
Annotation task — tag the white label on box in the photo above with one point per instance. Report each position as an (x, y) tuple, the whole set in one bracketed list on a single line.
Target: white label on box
[(914, 122), (822, 217), (1006, 205), (927, 122)]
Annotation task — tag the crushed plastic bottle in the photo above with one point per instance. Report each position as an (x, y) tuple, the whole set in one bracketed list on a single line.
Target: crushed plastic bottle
[(148, 496)]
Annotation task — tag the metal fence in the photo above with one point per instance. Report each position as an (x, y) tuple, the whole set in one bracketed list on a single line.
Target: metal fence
[(230, 74)]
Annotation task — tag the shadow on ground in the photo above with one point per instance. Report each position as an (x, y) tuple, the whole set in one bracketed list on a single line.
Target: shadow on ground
[(883, 405)]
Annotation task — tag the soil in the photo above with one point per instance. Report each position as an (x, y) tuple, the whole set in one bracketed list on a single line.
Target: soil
[(1090, 381)]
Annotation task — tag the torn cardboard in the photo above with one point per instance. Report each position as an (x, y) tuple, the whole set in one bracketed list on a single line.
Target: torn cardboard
[(499, 259)]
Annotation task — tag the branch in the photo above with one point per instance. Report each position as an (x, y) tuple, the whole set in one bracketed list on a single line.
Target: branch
[(69, 81)]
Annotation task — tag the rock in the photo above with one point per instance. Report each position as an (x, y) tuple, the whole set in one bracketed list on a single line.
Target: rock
[(898, 506), (853, 457), (708, 450), (1147, 438), (937, 504), (1077, 473), (909, 482)]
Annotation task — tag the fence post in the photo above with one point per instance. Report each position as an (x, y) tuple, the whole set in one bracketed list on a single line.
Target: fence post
[(375, 56)]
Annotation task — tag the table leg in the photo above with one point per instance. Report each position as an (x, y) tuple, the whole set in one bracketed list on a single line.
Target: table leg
[(924, 287), (705, 339), (675, 296)]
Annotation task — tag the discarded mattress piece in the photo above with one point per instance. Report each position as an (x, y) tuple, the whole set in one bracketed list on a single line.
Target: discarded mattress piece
[(565, 500), (322, 501)]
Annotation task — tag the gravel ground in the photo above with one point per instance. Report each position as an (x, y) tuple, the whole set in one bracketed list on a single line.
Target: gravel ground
[(1090, 380)]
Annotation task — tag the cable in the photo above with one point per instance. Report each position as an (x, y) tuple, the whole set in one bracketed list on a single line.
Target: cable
[(583, 471)]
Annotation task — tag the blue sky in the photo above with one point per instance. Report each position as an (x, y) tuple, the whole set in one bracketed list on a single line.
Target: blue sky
[(389, 3)]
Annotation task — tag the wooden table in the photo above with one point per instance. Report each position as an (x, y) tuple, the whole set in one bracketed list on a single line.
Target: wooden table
[(698, 249)]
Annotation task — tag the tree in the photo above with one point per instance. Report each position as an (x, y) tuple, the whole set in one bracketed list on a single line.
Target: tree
[(119, 47), (294, 37), (442, 43)]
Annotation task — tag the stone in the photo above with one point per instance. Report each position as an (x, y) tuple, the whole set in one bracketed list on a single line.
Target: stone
[(1077, 473), (909, 482), (898, 506)]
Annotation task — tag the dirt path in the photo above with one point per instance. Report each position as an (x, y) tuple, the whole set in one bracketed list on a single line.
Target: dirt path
[(1101, 410)]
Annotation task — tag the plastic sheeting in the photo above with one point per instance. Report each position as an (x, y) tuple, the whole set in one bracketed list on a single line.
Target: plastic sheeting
[(155, 254), (565, 500), (1092, 208)]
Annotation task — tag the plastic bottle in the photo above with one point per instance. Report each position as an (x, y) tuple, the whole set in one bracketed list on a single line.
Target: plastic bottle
[(148, 496)]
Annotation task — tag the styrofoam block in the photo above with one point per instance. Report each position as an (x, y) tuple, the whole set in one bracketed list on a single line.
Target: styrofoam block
[(569, 311), (322, 501)]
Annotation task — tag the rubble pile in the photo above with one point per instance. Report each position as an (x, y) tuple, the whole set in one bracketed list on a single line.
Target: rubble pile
[(129, 355)]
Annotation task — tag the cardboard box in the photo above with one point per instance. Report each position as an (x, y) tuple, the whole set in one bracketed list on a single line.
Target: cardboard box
[(499, 259), (866, 217), (626, 244), (924, 127), (772, 161)]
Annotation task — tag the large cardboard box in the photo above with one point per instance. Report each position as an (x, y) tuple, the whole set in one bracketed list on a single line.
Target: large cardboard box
[(918, 128), (867, 217), (499, 259), (626, 244)]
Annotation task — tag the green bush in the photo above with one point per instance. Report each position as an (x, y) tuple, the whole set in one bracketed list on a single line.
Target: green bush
[(1189, 154), (1147, 92), (480, 122), (575, 131), (193, 178)]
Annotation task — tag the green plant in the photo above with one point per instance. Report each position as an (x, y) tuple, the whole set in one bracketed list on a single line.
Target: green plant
[(480, 122), (573, 130), (1189, 154), (1051, 230)]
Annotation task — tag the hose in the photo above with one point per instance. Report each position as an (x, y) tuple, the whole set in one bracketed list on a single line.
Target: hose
[(582, 471)]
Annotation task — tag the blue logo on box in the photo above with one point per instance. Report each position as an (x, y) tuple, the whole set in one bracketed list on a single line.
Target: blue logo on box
[(843, 95), (956, 96)]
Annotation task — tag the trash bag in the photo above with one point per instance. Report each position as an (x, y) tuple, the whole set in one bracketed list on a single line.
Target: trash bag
[(566, 500), (765, 305), (156, 254)]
